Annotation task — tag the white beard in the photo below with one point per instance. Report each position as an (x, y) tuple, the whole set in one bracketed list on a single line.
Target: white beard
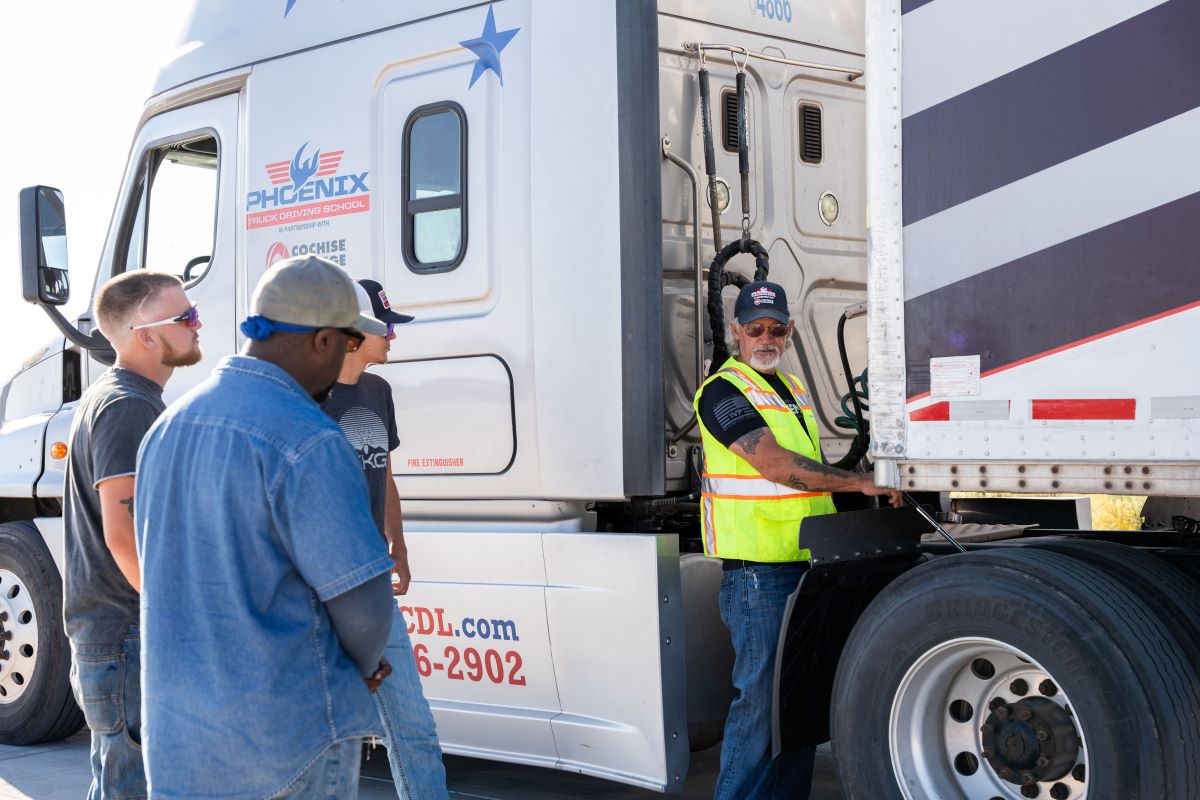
[(765, 361)]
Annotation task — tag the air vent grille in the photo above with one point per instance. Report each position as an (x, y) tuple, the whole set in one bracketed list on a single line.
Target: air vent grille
[(730, 103), (810, 134)]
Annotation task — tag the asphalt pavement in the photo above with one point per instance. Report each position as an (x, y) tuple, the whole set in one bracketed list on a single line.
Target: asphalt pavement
[(60, 772)]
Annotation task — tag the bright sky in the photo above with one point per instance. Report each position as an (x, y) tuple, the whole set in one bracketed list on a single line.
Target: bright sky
[(75, 76)]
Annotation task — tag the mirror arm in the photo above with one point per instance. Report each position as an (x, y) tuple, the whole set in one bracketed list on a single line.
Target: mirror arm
[(100, 348)]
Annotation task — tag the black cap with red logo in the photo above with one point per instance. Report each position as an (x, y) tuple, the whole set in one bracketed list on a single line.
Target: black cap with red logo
[(380, 306)]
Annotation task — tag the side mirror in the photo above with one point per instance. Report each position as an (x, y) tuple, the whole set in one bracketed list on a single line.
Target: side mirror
[(44, 265), (44, 247)]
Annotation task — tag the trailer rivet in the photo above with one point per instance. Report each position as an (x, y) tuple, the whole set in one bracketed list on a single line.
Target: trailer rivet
[(1108, 484), (1021, 469), (954, 470), (1145, 470), (1128, 484), (1146, 485), (1021, 483), (983, 470), (983, 484), (1128, 470), (1054, 470), (1108, 470), (1053, 484)]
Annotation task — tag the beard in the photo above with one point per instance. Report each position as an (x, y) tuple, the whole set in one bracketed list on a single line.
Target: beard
[(765, 358), (173, 358)]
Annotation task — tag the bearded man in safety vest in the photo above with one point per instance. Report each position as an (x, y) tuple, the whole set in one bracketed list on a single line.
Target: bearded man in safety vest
[(763, 474)]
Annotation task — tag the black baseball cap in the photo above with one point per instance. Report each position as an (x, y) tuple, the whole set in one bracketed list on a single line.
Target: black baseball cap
[(761, 299), (380, 306)]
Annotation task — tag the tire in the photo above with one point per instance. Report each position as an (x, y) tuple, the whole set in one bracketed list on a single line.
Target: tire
[(36, 704), (915, 687), (1169, 592)]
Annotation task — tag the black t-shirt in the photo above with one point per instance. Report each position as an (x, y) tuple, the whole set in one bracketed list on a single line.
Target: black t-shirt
[(728, 414), (99, 605), (367, 415)]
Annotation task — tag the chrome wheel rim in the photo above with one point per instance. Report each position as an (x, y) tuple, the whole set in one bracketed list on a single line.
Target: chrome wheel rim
[(18, 637), (978, 719)]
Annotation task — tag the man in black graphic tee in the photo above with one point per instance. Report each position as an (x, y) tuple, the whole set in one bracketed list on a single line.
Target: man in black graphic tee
[(363, 407)]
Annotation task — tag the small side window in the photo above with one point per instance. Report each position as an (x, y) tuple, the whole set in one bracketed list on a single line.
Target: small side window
[(435, 187), (175, 224)]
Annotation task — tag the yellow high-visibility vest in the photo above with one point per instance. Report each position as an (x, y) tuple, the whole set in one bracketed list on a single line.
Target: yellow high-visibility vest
[(744, 515)]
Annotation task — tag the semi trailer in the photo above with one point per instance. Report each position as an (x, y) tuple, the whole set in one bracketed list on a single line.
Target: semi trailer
[(983, 214)]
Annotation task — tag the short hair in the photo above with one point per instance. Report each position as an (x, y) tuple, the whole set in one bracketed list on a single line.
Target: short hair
[(123, 296)]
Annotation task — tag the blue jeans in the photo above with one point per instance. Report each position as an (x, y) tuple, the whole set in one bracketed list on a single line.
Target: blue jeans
[(333, 776), (106, 680), (753, 599), (409, 730)]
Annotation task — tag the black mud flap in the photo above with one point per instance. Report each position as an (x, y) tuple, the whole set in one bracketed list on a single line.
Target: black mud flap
[(854, 556)]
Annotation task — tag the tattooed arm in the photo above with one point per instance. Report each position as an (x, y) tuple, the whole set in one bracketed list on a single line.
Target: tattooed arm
[(760, 448), (116, 515)]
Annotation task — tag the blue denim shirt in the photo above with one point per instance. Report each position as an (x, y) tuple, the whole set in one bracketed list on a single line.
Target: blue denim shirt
[(251, 511)]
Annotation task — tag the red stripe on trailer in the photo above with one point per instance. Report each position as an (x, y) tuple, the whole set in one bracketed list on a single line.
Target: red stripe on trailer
[(1085, 409), (937, 412), (1070, 345)]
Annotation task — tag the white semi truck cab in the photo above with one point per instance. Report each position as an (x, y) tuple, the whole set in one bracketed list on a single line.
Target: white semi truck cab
[(985, 222)]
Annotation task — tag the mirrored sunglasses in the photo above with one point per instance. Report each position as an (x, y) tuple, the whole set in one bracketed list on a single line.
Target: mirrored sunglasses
[(191, 318)]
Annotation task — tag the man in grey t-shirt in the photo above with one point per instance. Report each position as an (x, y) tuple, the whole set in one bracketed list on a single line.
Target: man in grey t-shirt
[(362, 405), (153, 328)]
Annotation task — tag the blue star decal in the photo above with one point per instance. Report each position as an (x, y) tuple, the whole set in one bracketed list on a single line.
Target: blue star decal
[(487, 48), (288, 9)]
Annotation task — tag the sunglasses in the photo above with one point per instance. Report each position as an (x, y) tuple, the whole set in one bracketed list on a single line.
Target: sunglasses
[(755, 330), (191, 317), (354, 339)]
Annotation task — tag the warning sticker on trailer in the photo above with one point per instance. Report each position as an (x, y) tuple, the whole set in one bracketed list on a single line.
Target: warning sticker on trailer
[(955, 376)]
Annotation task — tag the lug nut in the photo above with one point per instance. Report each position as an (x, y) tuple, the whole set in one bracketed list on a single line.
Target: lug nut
[(1079, 772), (1019, 687), (1059, 791), (1030, 791), (1048, 688)]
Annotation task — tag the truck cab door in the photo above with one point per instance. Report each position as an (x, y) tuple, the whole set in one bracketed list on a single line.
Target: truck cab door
[(176, 214)]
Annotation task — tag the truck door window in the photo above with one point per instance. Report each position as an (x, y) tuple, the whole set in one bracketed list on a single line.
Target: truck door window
[(175, 224), (435, 169)]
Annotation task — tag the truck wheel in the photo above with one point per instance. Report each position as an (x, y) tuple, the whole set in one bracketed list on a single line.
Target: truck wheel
[(1012, 673), (1169, 592), (36, 704)]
